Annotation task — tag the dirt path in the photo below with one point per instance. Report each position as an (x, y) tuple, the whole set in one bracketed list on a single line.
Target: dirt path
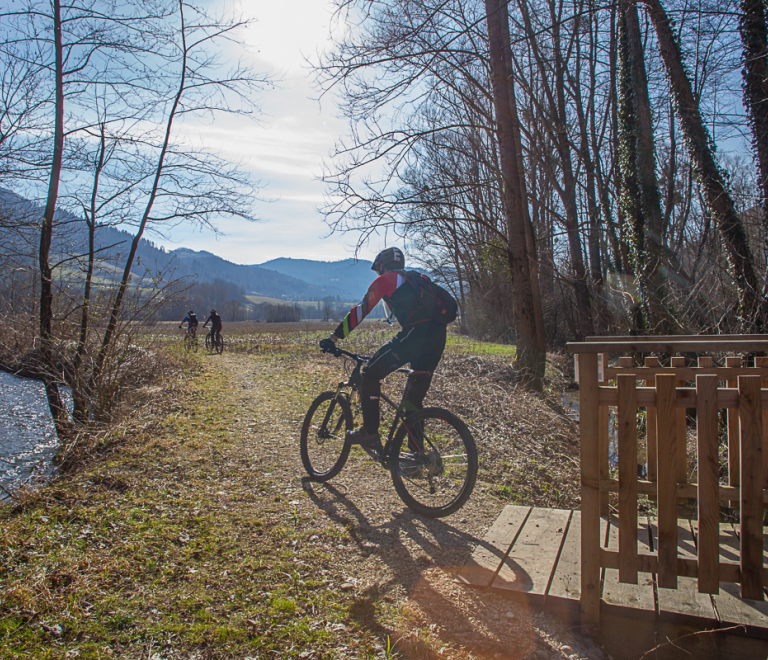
[(399, 568), (188, 535)]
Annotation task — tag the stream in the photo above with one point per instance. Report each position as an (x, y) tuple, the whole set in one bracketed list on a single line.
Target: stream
[(28, 438)]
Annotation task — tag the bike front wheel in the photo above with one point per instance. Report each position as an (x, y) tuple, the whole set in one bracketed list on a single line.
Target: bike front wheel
[(324, 446), (208, 342), (434, 462)]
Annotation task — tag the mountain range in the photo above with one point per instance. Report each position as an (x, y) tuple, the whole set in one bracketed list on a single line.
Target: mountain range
[(289, 279)]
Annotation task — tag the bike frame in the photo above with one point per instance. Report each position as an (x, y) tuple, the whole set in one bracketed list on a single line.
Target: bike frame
[(354, 383)]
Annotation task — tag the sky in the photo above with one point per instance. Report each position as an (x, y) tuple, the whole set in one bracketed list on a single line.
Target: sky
[(285, 151)]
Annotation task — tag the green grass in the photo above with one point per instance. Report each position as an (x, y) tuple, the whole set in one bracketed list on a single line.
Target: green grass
[(170, 563), (475, 347)]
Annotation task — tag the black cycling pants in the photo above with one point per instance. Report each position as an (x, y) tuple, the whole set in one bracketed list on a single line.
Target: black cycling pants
[(422, 345)]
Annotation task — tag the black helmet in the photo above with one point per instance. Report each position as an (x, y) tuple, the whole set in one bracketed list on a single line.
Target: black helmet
[(213, 311), (191, 312), (391, 258)]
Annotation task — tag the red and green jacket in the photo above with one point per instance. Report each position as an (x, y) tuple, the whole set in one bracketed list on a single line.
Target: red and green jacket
[(394, 289)]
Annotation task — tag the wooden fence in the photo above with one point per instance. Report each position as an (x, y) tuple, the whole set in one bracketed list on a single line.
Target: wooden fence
[(645, 384)]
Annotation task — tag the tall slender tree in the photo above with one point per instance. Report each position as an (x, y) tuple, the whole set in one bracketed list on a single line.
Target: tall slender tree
[(530, 356)]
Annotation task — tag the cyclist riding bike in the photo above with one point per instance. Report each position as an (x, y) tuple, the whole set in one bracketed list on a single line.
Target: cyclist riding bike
[(191, 321), (421, 340), (215, 320)]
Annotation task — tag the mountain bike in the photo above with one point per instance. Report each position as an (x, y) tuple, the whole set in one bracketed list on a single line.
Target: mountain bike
[(214, 343), (190, 340), (430, 453)]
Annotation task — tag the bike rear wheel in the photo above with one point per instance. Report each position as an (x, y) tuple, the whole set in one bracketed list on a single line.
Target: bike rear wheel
[(434, 462), (324, 446), (219, 344)]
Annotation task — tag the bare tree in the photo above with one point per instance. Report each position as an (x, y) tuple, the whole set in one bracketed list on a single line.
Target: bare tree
[(116, 66), (709, 174)]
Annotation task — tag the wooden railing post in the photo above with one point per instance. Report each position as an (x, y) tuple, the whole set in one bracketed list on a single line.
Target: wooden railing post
[(667, 471), (734, 461), (590, 489), (627, 431), (708, 548), (763, 362), (605, 449), (751, 530), (650, 425), (682, 430)]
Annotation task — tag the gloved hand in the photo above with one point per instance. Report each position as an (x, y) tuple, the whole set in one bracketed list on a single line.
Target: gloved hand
[(328, 345)]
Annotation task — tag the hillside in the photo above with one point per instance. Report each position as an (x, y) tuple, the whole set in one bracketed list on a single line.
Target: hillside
[(287, 279), (349, 274)]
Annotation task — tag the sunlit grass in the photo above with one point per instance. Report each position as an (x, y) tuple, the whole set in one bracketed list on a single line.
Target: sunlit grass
[(459, 343)]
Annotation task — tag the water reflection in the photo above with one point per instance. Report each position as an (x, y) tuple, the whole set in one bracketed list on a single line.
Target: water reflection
[(28, 438)]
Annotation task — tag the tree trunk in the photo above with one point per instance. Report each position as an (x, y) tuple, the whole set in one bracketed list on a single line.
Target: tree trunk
[(530, 357), (48, 362), (79, 386), (754, 39), (568, 196), (706, 169), (651, 270)]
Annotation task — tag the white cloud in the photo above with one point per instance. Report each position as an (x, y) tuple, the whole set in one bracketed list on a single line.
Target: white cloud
[(285, 150)]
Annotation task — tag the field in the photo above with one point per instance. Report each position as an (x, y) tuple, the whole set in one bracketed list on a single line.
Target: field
[(190, 534)]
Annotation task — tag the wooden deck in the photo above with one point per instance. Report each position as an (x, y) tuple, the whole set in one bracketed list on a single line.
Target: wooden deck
[(534, 553)]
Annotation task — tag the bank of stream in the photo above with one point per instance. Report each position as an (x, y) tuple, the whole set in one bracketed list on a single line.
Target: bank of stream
[(28, 438)]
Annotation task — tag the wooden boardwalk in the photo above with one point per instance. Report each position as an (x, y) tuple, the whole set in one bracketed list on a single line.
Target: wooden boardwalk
[(534, 553)]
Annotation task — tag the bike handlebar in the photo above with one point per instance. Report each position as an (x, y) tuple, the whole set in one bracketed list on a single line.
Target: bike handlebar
[(361, 358), (354, 356)]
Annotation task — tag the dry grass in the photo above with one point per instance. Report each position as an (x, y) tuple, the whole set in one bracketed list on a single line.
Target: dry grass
[(192, 537)]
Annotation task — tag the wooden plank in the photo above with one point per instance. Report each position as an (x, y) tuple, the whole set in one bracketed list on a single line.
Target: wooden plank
[(763, 362), (634, 338), (590, 490), (666, 434), (682, 429), (670, 346), (686, 566), (708, 495), (605, 451), (733, 432), (566, 582), (731, 608), (686, 490), (531, 560), (650, 425), (627, 430), (685, 601), (486, 560), (638, 597), (685, 397), (751, 524), (686, 373)]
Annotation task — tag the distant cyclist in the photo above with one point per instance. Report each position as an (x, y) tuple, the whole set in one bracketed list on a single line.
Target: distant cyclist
[(191, 321), (423, 317), (215, 320)]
